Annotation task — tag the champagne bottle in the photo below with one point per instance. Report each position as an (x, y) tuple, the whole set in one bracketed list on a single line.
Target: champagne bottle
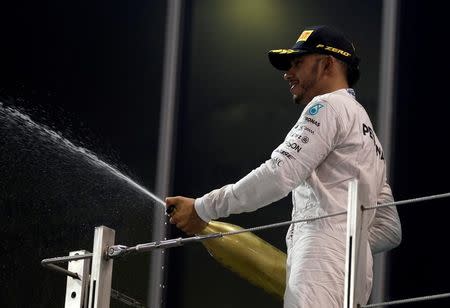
[(249, 256)]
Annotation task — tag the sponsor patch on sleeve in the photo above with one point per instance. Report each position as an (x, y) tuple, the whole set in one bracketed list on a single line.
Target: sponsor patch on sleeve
[(314, 109)]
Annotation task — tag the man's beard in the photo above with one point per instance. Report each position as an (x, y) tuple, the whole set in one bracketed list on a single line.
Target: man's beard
[(298, 100), (306, 86)]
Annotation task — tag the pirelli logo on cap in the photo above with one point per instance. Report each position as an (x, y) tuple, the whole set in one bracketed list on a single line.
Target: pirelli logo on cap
[(333, 49), (304, 36)]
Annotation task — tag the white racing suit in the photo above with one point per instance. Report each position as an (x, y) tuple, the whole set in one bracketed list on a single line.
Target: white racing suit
[(332, 143)]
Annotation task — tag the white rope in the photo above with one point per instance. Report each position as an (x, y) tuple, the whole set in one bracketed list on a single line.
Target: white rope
[(281, 224), (432, 197), (116, 251), (409, 300), (181, 241), (284, 223)]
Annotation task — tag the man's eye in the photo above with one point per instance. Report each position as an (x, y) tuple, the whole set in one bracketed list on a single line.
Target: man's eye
[(296, 62)]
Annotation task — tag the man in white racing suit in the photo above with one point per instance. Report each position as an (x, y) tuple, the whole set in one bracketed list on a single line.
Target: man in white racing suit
[(332, 143)]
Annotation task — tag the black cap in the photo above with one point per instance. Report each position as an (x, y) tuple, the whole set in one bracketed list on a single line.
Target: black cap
[(318, 40)]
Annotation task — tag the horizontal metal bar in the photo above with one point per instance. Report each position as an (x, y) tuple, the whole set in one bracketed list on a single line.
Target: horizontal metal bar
[(121, 250), (66, 259), (61, 270), (126, 299), (409, 300), (408, 201)]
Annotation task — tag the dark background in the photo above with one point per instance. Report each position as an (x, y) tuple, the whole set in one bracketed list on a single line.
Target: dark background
[(420, 264), (92, 71)]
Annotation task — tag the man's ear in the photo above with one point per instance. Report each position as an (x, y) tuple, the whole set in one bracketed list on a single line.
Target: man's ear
[(329, 63)]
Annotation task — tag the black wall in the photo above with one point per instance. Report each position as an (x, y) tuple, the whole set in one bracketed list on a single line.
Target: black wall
[(91, 72), (421, 165)]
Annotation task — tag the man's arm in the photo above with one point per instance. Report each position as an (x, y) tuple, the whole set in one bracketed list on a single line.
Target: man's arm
[(311, 139), (306, 145), (385, 232)]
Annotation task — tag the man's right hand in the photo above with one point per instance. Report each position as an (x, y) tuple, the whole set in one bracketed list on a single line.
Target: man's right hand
[(184, 215)]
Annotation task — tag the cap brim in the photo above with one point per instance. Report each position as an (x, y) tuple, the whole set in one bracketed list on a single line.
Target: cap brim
[(281, 58)]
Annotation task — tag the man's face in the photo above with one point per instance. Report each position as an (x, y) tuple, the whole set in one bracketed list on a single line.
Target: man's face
[(303, 77)]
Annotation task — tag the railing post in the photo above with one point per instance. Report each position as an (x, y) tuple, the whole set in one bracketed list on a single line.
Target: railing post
[(76, 289), (101, 273), (356, 251)]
